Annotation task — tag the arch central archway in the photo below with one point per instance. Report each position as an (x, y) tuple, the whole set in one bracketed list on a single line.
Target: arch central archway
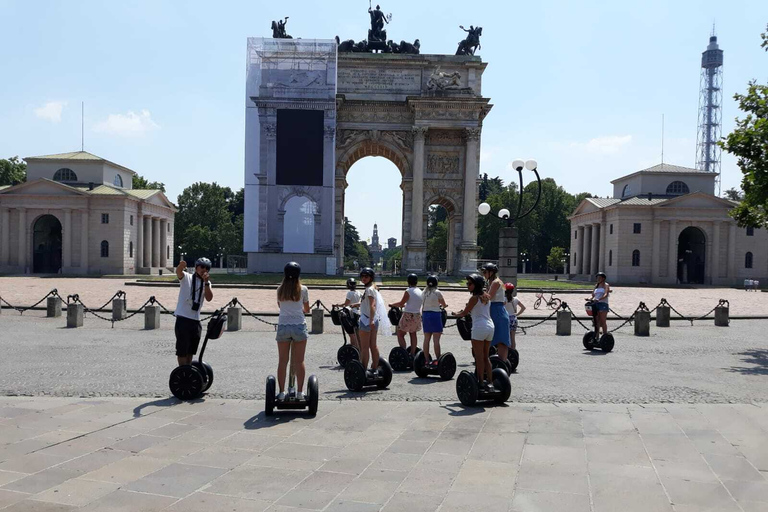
[(47, 245), (691, 256)]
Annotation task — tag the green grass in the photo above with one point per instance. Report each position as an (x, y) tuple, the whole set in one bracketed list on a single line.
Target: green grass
[(560, 285)]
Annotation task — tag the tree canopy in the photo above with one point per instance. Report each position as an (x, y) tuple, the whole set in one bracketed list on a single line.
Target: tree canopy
[(12, 171), (354, 249), (141, 183)]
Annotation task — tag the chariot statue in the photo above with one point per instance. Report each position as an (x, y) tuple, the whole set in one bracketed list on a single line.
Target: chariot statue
[(278, 29), (469, 45)]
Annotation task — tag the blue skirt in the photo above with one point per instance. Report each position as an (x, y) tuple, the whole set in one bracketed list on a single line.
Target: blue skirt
[(432, 321), (500, 319)]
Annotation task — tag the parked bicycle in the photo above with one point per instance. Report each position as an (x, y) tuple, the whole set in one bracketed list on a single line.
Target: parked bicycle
[(552, 302)]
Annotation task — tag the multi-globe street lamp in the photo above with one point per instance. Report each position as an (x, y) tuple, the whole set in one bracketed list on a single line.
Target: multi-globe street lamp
[(508, 234)]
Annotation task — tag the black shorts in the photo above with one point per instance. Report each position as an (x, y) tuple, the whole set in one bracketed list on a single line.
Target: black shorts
[(188, 334)]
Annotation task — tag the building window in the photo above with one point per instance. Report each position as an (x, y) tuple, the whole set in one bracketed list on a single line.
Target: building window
[(750, 231), (610, 258), (748, 260), (105, 218), (130, 249), (168, 228), (635, 258), (636, 228), (677, 188), (118, 181), (131, 220), (610, 229), (168, 251), (104, 249), (574, 258), (626, 191), (575, 234), (65, 175)]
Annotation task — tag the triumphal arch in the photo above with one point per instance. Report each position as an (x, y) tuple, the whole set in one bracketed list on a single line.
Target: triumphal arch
[(312, 111)]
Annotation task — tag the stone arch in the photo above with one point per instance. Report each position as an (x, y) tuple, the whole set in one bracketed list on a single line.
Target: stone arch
[(47, 241), (692, 255), (454, 226), (372, 147)]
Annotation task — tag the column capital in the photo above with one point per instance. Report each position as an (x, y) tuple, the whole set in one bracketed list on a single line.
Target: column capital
[(472, 134), (419, 132), (270, 130)]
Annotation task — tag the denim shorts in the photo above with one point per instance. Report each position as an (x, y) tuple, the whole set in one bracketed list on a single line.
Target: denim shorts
[(603, 306), (365, 327), (292, 332)]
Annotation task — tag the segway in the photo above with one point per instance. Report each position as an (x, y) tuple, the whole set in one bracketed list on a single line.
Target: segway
[(347, 319), (510, 365), (356, 377), (190, 381), (291, 401), (592, 340), (400, 358), (444, 366), (469, 391)]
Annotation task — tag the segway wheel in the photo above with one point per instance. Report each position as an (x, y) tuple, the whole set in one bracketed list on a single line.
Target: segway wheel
[(513, 359), (398, 358), (347, 353), (497, 362), (186, 382), (606, 342), (492, 351), (269, 401), (446, 366), (466, 388), (502, 383), (354, 375), (314, 394), (589, 340), (420, 365), (386, 373), (207, 372)]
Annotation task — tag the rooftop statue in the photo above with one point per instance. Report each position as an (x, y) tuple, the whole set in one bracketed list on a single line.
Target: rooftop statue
[(278, 29), (378, 19), (469, 45)]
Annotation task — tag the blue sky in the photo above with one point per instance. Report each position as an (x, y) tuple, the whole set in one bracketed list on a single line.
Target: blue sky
[(580, 86)]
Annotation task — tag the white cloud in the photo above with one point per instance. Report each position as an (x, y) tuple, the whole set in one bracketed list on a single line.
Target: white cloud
[(128, 125), (604, 145), (51, 111)]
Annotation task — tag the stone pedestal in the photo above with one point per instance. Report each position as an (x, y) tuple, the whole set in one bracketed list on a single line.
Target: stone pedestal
[(118, 309), (53, 307), (643, 323), (74, 315), (317, 321), (508, 257), (721, 316), (234, 319), (151, 317), (416, 258), (563, 323), (662, 316)]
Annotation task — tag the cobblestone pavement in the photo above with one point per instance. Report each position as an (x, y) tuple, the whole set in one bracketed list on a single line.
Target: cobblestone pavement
[(118, 454), (681, 364), (95, 292)]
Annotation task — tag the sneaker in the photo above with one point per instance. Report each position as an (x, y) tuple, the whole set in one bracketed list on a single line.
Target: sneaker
[(371, 372), (281, 396), (299, 396), (488, 387)]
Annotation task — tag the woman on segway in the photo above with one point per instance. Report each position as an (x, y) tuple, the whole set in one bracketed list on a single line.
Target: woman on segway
[(410, 322), (600, 295), (514, 308), (353, 297), (372, 317), (293, 301), (499, 314), (432, 316), (479, 307)]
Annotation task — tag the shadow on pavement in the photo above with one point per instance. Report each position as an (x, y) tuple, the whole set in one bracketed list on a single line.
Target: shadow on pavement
[(457, 409), (261, 420), (757, 357), (163, 402)]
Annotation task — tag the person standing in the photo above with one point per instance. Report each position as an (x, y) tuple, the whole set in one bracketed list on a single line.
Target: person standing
[(293, 301), (600, 295), (499, 314), (432, 316), (410, 322), (194, 290)]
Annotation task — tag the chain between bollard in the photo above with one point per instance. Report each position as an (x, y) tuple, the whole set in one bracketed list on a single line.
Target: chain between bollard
[(256, 317), (22, 310), (525, 327), (119, 295)]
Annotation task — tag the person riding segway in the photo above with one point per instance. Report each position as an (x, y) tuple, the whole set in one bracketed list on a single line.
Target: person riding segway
[(189, 381), (408, 321), (434, 319), (597, 307)]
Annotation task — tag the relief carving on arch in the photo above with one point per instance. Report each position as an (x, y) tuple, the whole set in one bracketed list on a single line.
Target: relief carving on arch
[(443, 162)]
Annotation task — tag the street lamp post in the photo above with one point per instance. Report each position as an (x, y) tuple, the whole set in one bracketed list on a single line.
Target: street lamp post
[(508, 235)]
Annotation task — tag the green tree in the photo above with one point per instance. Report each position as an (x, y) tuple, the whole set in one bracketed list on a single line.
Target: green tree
[(733, 194), (437, 246), (556, 258), (140, 183), (749, 143), (12, 171)]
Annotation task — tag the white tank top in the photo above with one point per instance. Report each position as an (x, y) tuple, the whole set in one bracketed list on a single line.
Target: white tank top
[(499, 295), (600, 294), (414, 300), (481, 313)]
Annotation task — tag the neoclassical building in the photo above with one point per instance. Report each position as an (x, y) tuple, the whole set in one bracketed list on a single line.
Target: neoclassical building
[(665, 225), (77, 214)]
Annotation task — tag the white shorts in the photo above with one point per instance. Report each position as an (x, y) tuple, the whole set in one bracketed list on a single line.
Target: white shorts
[(483, 332)]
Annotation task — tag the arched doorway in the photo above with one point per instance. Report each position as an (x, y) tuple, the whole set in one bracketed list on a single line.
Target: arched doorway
[(299, 225), (691, 256), (47, 245), (440, 225)]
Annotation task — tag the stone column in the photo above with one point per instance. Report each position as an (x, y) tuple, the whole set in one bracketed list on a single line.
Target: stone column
[(603, 264), (6, 240), (469, 219), (23, 239), (715, 252), (66, 240), (580, 250), (594, 255), (656, 254), (139, 241), (731, 252), (672, 254), (155, 242), (147, 241), (163, 243), (587, 248), (84, 217), (417, 247)]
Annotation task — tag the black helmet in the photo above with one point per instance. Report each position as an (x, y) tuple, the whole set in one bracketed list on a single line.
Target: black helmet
[(412, 279), (432, 282), (367, 271), (479, 283), (203, 262), (292, 270), (351, 283), (601, 274), (491, 267)]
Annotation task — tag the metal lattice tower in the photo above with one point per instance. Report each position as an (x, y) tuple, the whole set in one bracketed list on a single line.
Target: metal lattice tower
[(710, 110)]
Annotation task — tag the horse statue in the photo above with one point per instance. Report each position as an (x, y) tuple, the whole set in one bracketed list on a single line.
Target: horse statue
[(469, 45)]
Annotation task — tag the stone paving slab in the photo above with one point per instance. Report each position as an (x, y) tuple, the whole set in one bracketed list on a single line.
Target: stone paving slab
[(392, 456)]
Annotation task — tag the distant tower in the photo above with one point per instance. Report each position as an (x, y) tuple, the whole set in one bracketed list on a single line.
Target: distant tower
[(375, 245), (710, 110), (391, 243)]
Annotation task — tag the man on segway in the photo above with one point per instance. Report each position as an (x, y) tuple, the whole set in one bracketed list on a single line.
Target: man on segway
[(194, 290)]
